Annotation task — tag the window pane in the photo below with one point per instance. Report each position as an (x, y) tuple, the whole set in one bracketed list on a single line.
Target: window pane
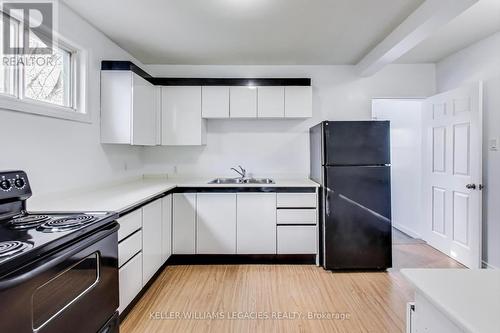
[(47, 77), (7, 72)]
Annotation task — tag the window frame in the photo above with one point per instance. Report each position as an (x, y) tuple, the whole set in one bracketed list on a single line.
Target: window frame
[(77, 111)]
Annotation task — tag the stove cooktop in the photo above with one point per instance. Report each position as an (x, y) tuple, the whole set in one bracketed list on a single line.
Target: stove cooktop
[(28, 236)]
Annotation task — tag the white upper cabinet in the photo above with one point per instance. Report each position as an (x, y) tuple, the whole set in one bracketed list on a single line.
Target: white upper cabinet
[(182, 124), (128, 109), (215, 102), (243, 102), (271, 102), (298, 101)]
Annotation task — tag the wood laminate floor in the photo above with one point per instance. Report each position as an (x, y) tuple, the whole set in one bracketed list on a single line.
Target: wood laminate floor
[(287, 298)]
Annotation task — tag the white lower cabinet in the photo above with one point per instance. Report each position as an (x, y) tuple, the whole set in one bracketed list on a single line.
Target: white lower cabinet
[(216, 223), (184, 223), (297, 239), (130, 276), (129, 247), (429, 318), (166, 228), (151, 239), (256, 223)]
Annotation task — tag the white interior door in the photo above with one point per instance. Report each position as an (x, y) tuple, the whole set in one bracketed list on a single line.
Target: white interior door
[(452, 173)]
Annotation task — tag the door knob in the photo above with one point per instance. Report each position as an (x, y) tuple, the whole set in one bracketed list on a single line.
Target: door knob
[(471, 186)]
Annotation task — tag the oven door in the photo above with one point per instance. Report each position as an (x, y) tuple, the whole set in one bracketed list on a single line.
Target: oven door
[(74, 290)]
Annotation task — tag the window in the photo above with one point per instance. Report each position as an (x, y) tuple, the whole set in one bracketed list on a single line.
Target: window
[(7, 73), (48, 79), (48, 84)]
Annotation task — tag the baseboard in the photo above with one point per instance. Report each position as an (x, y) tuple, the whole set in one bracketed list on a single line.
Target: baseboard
[(486, 265), (242, 259), (407, 231)]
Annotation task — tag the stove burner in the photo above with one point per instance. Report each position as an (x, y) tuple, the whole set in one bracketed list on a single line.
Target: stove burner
[(66, 223), (12, 247), (27, 221)]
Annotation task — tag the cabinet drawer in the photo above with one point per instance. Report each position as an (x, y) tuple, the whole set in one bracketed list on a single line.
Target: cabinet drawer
[(296, 216), (302, 200), (130, 276), (129, 247), (297, 239), (129, 223)]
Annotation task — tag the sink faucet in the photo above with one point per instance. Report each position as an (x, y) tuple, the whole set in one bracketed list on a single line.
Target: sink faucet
[(242, 173)]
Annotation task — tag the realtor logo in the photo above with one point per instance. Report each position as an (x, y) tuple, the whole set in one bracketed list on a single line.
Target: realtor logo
[(35, 19)]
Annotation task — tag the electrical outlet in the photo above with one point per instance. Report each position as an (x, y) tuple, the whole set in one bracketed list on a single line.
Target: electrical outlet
[(493, 144)]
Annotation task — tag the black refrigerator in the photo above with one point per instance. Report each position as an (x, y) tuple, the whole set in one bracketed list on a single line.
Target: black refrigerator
[(351, 161)]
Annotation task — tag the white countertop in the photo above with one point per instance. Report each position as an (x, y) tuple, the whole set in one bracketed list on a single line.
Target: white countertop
[(120, 197), (470, 298)]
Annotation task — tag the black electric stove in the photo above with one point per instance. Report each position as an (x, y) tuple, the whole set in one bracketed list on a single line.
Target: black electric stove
[(55, 266)]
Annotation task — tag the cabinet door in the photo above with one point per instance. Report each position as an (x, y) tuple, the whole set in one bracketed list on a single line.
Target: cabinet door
[(166, 228), (181, 120), (256, 226), (243, 102), (183, 223), (216, 223), (130, 278), (151, 239), (271, 102), (116, 107), (214, 102), (143, 112), (298, 102), (297, 239)]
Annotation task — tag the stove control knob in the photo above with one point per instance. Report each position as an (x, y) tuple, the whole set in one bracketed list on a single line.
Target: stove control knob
[(5, 185), (19, 182)]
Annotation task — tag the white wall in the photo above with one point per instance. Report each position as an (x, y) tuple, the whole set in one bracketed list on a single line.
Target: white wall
[(281, 147), (481, 61), (405, 116), (60, 154)]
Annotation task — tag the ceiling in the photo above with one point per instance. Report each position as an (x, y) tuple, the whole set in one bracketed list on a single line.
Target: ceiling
[(246, 31), (476, 23)]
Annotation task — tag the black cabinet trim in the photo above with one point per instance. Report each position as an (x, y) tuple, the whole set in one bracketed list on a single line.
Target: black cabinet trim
[(121, 65), (244, 189), (220, 190)]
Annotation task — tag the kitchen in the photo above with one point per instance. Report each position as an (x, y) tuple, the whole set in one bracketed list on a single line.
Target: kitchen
[(88, 161)]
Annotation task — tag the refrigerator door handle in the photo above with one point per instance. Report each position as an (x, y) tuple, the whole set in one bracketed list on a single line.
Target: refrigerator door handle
[(327, 201)]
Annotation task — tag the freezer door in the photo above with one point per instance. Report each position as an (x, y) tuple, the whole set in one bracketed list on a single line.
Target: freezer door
[(357, 223), (357, 143)]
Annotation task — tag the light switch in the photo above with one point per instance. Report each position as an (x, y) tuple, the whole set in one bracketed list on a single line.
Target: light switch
[(493, 144)]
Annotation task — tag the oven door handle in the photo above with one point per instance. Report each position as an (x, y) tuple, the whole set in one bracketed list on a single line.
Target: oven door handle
[(63, 255)]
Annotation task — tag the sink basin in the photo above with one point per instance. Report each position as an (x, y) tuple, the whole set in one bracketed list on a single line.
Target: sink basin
[(226, 181), (259, 181), (241, 181)]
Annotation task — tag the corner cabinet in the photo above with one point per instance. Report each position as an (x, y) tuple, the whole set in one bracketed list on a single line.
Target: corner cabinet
[(128, 109)]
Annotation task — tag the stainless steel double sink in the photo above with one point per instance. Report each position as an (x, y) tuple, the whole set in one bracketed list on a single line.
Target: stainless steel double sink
[(241, 181)]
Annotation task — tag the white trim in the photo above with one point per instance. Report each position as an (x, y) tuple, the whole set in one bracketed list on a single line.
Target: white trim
[(12, 103), (488, 266), (407, 231)]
